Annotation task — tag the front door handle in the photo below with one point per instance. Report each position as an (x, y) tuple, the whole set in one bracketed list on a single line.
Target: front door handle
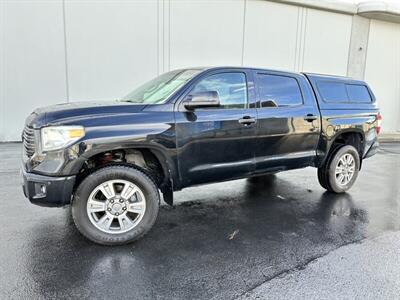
[(247, 120), (310, 117)]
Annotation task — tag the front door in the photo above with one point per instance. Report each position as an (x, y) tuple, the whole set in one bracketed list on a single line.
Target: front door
[(217, 143)]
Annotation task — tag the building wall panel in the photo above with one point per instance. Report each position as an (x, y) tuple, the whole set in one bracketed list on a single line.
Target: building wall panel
[(270, 40), (54, 51), (205, 33), (33, 65), (383, 70), (112, 46), (327, 40)]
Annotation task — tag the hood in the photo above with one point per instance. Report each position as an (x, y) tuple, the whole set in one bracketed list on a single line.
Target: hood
[(69, 113)]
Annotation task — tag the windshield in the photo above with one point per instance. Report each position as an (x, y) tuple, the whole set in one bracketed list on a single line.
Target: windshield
[(158, 90)]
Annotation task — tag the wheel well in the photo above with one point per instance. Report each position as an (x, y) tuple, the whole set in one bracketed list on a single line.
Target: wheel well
[(141, 158), (354, 139)]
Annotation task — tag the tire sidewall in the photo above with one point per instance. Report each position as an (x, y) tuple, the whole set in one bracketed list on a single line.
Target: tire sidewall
[(332, 167), (79, 204)]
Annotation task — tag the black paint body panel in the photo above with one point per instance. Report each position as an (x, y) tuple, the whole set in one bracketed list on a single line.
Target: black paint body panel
[(210, 145)]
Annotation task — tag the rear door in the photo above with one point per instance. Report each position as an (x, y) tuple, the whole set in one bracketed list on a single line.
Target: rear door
[(218, 143), (288, 121)]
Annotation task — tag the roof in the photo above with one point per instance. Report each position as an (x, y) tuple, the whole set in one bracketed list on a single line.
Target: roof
[(318, 77), (248, 68), (386, 10), (314, 75)]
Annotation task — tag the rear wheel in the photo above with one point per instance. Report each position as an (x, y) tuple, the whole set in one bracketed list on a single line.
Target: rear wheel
[(341, 170), (115, 205)]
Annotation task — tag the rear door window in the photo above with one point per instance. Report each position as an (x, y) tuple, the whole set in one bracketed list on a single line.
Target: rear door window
[(283, 90)]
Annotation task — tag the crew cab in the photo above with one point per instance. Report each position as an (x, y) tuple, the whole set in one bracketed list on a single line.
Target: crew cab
[(112, 160)]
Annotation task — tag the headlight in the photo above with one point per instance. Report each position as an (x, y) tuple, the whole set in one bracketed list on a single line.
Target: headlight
[(58, 137)]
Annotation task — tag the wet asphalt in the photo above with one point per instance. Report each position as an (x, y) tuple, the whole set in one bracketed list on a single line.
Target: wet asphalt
[(220, 241)]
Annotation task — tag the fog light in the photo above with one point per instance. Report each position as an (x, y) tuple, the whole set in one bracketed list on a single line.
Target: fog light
[(40, 190)]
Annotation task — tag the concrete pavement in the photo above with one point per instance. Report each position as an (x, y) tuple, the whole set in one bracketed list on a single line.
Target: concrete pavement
[(292, 240)]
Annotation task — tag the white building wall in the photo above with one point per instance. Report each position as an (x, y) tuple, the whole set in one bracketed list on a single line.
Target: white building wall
[(271, 41), (383, 70), (56, 51), (2, 70), (111, 47), (205, 33), (33, 63), (296, 38), (327, 41)]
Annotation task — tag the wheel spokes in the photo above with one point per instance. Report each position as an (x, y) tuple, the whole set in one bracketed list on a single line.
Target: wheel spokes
[(116, 206), (136, 207), (349, 159), (345, 169), (340, 178), (124, 222), (128, 191), (105, 221), (96, 206), (338, 170), (107, 189)]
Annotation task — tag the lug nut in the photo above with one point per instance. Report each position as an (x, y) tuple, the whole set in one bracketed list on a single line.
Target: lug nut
[(121, 200), (112, 201), (124, 208), (109, 209), (116, 214)]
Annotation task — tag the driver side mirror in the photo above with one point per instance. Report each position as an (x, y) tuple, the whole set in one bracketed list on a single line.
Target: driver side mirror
[(202, 100)]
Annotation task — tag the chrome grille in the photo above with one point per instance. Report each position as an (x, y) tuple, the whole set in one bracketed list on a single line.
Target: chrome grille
[(28, 139)]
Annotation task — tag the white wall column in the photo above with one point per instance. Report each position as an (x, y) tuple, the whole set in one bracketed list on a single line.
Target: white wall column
[(358, 47)]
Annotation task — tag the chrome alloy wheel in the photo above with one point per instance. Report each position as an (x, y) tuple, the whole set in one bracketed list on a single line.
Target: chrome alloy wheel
[(116, 206), (345, 169)]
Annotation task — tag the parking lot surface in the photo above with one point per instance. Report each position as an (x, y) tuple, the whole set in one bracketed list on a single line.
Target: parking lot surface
[(238, 239)]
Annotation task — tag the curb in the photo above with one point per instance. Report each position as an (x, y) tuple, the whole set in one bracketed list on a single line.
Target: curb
[(389, 138)]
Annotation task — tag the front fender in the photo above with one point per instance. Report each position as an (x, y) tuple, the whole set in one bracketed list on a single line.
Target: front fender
[(153, 130), (162, 145)]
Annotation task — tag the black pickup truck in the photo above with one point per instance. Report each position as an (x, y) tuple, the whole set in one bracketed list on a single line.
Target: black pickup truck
[(111, 160)]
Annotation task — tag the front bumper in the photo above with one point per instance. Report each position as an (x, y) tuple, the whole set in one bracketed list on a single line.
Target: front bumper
[(46, 190)]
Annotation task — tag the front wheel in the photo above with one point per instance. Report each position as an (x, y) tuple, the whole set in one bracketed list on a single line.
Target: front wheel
[(341, 170), (115, 205)]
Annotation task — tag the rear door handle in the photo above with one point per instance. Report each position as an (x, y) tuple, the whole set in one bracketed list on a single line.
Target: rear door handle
[(247, 120), (310, 117)]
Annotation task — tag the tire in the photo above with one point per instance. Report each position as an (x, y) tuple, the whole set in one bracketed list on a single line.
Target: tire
[(327, 176), (115, 205)]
